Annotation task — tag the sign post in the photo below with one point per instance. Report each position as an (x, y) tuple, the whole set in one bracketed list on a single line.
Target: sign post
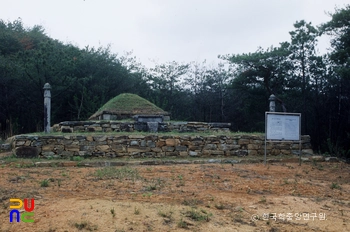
[(282, 127)]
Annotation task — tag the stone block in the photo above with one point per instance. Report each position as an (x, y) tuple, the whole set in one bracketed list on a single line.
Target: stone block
[(183, 153), (212, 152), (253, 147), (121, 141), (156, 149), (160, 154), (295, 146), (69, 163), (160, 143), (151, 143), (168, 148), (118, 148), (231, 141), (97, 128), (48, 154), (252, 152), (317, 158), (295, 152), (58, 148), (20, 143), (243, 141), (100, 138), (120, 154), (213, 140), (43, 164), (136, 136), (269, 146), (308, 151), (98, 154), (185, 143), (103, 148), (86, 148), (36, 143), (67, 153), (275, 152), (194, 148), (151, 138), (84, 153), (26, 152), (149, 154), (254, 141), (332, 159), (173, 153), (110, 154), (193, 153), (285, 152), (228, 147), (79, 128), (107, 130), (143, 143), (6, 146), (138, 149), (72, 148), (305, 138), (48, 147), (210, 147), (66, 141), (172, 142), (282, 146), (223, 147), (115, 126), (66, 129), (126, 127), (197, 142), (134, 143), (240, 153), (180, 148)]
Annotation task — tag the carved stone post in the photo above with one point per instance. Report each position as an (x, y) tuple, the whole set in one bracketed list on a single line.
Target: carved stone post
[(47, 107), (272, 103)]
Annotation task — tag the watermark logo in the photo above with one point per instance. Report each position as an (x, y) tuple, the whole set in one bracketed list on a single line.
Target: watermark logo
[(27, 216), (289, 216)]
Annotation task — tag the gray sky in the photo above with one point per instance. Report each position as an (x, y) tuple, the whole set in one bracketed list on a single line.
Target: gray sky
[(167, 30)]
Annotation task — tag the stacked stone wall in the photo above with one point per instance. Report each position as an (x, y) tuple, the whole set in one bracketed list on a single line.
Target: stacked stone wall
[(130, 126), (153, 145)]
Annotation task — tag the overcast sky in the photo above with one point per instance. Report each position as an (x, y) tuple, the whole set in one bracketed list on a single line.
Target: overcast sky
[(167, 30)]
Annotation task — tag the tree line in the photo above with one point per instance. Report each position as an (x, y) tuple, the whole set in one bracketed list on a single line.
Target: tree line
[(236, 90)]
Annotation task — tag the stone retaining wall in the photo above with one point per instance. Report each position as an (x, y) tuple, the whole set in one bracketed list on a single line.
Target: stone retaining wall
[(132, 145), (130, 126)]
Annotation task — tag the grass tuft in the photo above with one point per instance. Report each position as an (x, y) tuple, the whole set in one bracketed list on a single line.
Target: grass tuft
[(117, 173), (44, 183)]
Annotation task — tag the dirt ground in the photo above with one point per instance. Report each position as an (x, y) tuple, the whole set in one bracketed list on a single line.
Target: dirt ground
[(193, 197)]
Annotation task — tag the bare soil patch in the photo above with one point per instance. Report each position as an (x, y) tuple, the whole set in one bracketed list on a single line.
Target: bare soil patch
[(193, 197)]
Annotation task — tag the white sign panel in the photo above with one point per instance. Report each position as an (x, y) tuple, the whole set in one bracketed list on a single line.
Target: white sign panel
[(282, 126)]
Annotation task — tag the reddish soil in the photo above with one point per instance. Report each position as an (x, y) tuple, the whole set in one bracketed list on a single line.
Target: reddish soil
[(195, 197)]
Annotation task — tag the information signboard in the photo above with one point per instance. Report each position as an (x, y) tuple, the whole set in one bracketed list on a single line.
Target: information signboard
[(282, 126)]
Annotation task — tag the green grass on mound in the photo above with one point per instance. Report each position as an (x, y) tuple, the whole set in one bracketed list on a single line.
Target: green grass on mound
[(128, 102)]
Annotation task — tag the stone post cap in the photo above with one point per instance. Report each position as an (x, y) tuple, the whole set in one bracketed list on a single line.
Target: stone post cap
[(47, 86), (272, 97)]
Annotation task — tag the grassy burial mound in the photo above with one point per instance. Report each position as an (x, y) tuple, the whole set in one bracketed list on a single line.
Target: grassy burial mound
[(127, 105)]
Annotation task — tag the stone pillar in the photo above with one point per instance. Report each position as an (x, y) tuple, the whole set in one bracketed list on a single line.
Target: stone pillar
[(47, 107), (272, 103)]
